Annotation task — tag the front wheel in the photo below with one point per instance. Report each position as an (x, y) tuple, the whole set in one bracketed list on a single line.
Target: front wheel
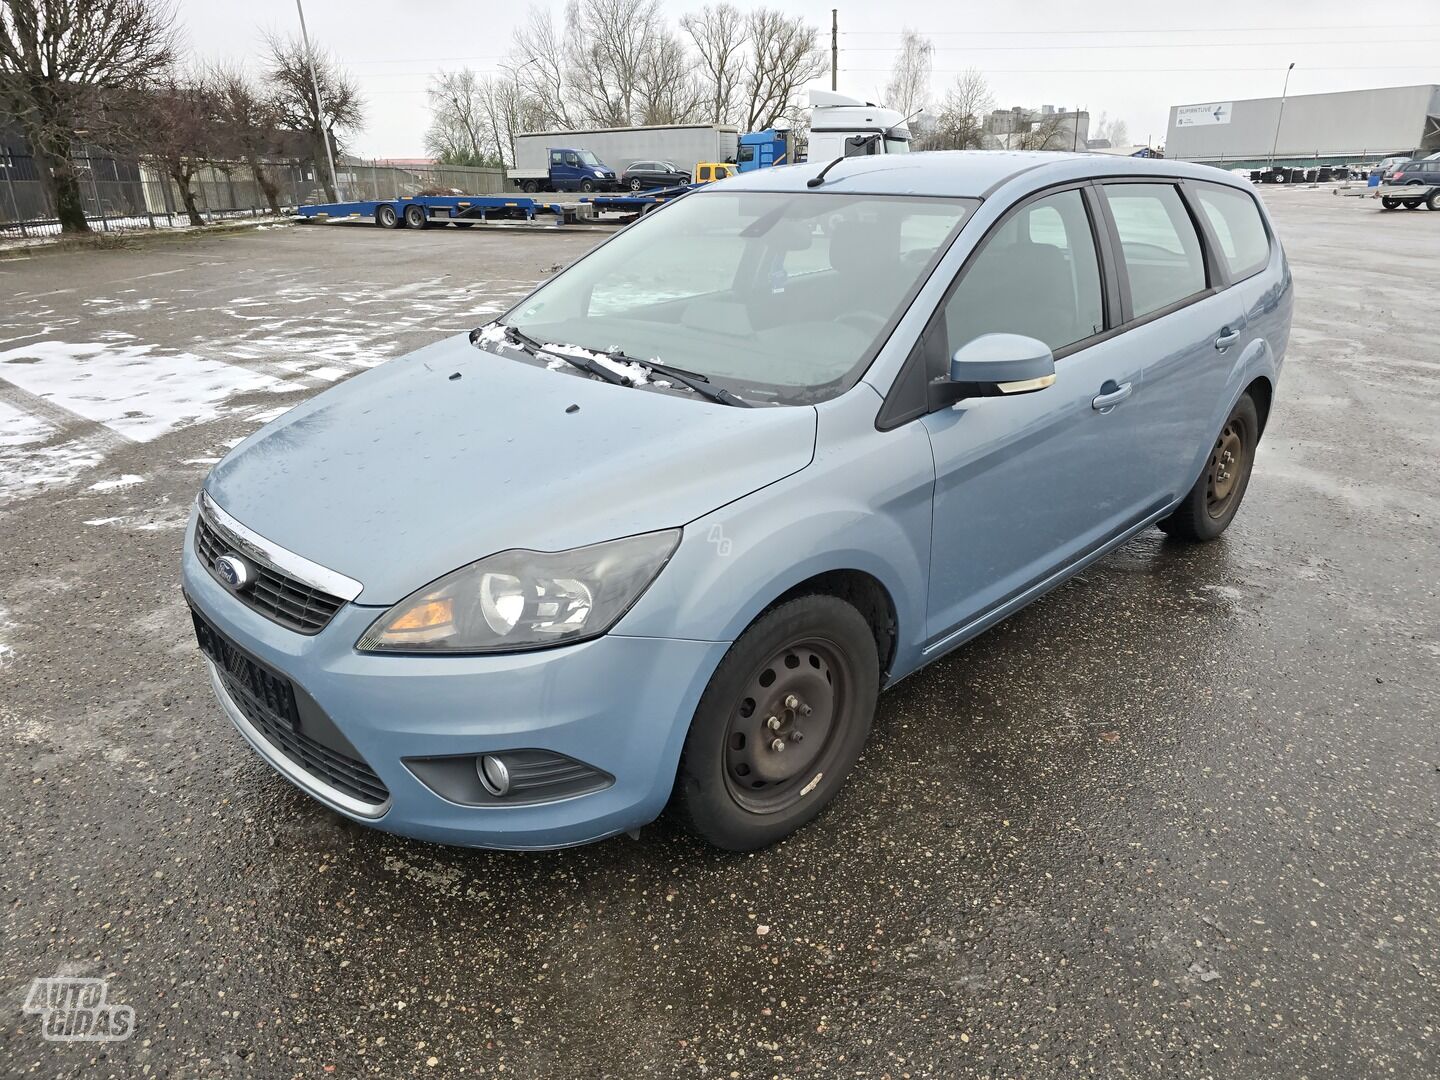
[(784, 718), (386, 217), (587, 185), (1212, 503), (1433, 202)]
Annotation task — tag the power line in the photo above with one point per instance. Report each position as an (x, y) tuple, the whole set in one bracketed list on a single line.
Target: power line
[(1172, 30)]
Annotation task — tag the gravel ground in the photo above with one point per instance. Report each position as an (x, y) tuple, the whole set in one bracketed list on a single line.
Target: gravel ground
[(1178, 818)]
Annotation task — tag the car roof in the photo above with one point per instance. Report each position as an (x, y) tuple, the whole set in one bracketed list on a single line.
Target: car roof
[(966, 173)]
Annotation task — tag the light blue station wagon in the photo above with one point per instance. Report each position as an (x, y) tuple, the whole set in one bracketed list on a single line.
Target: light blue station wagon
[(662, 533)]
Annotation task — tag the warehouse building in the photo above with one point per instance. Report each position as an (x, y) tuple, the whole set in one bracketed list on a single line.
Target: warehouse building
[(1350, 126)]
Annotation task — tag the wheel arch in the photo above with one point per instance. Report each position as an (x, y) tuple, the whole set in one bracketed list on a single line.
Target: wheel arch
[(1263, 391), (864, 592)]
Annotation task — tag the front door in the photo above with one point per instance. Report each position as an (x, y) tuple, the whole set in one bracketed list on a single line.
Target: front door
[(1027, 484)]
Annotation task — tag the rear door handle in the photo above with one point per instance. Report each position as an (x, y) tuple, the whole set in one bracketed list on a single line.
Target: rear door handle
[(1227, 338), (1111, 395)]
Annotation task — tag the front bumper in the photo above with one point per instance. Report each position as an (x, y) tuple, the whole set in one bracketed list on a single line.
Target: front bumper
[(620, 704)]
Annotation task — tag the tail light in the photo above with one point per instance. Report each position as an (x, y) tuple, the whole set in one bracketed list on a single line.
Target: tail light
[(1397, 174)]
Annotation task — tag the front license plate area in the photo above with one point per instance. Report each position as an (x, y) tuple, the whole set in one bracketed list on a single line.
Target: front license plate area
[(244, 674)]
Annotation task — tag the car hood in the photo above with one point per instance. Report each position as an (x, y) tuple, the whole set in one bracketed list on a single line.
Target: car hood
[(406, 472)]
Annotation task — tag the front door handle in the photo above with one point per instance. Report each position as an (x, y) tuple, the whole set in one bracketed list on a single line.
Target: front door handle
[(1111, 395), (1227, 338)]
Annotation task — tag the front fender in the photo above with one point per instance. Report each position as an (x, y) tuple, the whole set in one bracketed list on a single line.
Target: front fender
[(863, 504)]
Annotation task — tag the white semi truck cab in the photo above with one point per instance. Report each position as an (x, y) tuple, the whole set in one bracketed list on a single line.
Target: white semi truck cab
[(843, 126)]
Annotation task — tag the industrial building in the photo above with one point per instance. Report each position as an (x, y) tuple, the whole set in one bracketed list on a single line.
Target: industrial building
[(1348, 126)]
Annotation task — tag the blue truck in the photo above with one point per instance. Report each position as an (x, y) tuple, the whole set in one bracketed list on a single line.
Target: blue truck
[(560, 168), (762, 149)]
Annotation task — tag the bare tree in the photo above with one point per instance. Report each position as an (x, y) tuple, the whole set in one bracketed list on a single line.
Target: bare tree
[(719, 35), (248, 122), (1113, 131), (174, 125), (58, 61), (666, 90), (539, 65), (1048, 132), (339, 108), (459, 127), (909, 87), (782, 55), (960, 122)]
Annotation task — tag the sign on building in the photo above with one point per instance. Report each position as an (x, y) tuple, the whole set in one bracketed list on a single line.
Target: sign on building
[(1217, 112)]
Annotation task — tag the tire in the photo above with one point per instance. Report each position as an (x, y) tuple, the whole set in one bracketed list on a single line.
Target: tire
[(734, 788), (587, 186), (416, 218), (463, 224), (1414, 204), (529, 187), (1433, 202), (1388, 203), (636, 185), (386, 217), (1212, 503), (1281, 178)]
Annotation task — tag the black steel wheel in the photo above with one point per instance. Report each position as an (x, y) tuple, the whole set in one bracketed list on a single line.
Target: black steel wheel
[(1212, 503), (415, 217), (782, 721), (587, 185), (1414, 204), (1389, 203), (386, 217), (529, 187)]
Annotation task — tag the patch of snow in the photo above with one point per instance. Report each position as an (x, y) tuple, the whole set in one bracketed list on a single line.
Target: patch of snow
[(104, 521), (5, 624), (125, 481), (131, 389), (634, 372), (270, 414), (201, 461), (27, 463)]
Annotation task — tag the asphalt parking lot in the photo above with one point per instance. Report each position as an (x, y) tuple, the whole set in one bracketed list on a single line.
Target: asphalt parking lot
[(1179, 818)]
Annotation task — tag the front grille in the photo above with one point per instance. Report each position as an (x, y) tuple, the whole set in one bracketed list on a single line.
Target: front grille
[(274, 593), (340, 771)]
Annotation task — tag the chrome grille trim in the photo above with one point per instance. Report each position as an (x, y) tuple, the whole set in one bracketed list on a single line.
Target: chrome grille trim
[(249, 542)]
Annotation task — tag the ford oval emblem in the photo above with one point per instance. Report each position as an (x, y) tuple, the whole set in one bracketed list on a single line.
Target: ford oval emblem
[(234, 571)]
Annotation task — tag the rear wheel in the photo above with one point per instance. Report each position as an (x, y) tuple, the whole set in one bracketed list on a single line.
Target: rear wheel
[(1414, 204), (635, 184), (529, 187), (786, 714), (1212, 503), (386, 217), (416, 218), (1388, 203)]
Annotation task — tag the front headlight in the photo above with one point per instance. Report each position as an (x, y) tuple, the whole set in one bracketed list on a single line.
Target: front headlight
[(522, 599)]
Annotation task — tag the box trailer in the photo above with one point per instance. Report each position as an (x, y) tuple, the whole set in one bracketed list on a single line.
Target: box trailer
[(684, 145)]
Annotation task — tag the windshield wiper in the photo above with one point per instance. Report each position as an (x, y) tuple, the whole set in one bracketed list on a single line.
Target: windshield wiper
[(693, 379), (535, 347)]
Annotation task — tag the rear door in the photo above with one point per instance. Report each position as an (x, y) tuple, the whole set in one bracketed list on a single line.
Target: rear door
[(1183, 326)]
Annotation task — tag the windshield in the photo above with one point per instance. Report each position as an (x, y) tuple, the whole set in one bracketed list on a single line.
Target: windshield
[(588, 158), (779, 296), (896, 146)]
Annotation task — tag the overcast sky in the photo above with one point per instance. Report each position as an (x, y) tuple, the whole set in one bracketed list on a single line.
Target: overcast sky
[(1130, 58)]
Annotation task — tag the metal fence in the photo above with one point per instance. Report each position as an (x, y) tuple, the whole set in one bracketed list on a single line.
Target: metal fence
[(120, 194)]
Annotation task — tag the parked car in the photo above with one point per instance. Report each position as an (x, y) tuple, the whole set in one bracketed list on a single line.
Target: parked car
[(645, 175), (527, 587), (1381, 168), (1424, 171), (707, 171)]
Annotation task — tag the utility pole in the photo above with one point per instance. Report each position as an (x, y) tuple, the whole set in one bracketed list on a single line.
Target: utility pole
[(319, 112), (834, 47), (1281, 116)]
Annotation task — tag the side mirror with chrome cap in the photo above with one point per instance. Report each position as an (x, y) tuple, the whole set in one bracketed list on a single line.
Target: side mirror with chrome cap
[(997, 365)]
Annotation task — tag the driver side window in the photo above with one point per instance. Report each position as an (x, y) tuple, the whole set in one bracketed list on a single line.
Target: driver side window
[(1037, 274)]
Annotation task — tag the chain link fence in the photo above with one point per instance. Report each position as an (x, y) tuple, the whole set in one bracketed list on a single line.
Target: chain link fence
[(120, 194)]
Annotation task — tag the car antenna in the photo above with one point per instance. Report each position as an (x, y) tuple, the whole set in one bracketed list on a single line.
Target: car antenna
[(859, 141)]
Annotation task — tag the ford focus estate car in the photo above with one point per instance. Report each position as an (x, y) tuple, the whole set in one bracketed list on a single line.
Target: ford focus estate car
[(661, 533)]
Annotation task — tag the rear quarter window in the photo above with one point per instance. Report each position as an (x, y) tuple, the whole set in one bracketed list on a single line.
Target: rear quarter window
[(1235, 220)]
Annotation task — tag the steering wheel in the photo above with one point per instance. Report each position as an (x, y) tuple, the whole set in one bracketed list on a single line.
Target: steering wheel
[(867, 322)]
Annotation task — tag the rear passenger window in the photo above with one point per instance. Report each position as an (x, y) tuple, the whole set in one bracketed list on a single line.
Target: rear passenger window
[(1233, 215), (1037, 275), (1163, 258)]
